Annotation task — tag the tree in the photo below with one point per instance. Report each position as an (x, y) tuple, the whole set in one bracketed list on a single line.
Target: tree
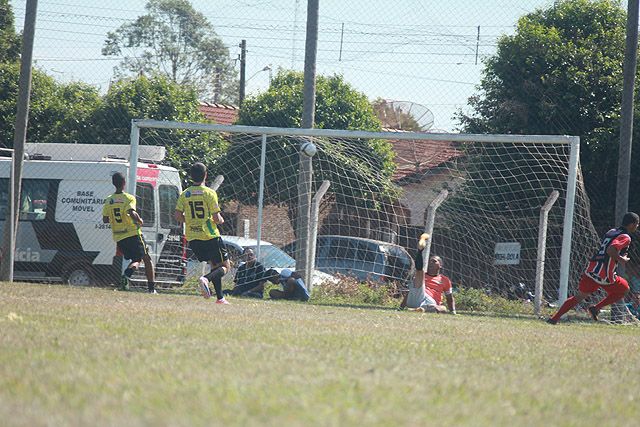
[(9, 41), (560, 73), (175, 40), (157, 98), (57, 112), (359, 170)]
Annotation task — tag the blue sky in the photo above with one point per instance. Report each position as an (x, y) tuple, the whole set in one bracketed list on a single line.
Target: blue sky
[(426, 52)]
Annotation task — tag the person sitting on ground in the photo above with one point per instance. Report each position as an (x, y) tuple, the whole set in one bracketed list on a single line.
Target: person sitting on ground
[(249, 279), (634, 305), (293, 287), (426, 292)]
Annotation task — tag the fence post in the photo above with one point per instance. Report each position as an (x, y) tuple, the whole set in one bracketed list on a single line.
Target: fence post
[(542, 247), (430, 221), (313, 226)]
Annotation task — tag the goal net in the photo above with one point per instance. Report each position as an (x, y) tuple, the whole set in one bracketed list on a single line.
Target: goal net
[(480, 196)]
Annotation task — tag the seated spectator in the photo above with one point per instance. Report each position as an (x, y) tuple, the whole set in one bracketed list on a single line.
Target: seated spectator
[(634, 304), (428, 288), (293, 287), (249, 279)]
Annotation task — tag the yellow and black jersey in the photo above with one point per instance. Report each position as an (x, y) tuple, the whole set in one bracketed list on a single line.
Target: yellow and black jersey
[(199, 204), (117, 207)]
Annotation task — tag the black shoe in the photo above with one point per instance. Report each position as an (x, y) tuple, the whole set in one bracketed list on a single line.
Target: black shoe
[(593, 311), (552, 321)]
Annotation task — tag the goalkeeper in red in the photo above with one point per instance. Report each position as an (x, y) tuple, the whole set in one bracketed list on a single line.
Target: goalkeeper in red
[(601, 271), (198, 209), (119, 210)]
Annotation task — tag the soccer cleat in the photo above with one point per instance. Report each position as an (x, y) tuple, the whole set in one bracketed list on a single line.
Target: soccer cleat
[(203, 285), (552, 321), (152, 292), (222, 301), (593, 311), (418, 309)]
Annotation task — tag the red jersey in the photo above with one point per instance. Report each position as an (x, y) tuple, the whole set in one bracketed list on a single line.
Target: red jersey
[(435, 286), (601, 268)]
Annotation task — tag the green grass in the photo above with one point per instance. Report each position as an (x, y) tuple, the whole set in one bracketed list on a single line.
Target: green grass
[(87, 356)]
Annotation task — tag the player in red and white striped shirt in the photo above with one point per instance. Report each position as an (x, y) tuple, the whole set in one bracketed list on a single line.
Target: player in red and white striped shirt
[(601, 271)]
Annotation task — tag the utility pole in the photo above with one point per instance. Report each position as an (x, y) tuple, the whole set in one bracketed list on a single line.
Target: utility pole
[(626, 125), (19, 138), (308, 116), (243, 66), (626, 131)]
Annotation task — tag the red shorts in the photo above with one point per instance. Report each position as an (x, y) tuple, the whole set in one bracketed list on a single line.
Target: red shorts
[(587, 285)]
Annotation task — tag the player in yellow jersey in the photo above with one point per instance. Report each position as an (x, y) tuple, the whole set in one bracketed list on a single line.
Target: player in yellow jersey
[(198, 209), (119, 210)]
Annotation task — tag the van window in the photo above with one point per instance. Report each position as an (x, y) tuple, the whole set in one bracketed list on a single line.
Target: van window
[(145, 203), (168, 195), (33, 199)]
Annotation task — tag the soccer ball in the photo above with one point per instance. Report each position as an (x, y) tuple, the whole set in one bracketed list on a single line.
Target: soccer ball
[(309, 149)]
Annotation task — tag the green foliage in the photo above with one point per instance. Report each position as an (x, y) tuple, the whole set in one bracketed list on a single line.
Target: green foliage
[(560, 73), (359, 170), (157, 98), (338, 105), (143, 97), (9, 40), (176, 40), (350, 291), (57, 112), (477, 300)]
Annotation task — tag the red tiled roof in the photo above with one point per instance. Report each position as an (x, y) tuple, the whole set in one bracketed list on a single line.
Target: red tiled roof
[(416, 157), (219, 113)]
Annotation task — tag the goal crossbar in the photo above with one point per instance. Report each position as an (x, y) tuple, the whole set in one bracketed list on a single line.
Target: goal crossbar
[(335, 133)]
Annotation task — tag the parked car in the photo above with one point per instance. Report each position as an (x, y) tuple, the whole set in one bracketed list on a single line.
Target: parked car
[(270, 256), (364, 259)]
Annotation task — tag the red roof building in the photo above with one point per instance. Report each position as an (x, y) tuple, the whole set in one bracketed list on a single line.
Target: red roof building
[(220, 114)]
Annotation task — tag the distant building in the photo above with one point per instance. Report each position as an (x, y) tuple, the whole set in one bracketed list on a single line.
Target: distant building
[(220, 114)]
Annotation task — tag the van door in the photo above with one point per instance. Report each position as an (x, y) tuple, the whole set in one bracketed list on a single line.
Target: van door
[(146, 208)]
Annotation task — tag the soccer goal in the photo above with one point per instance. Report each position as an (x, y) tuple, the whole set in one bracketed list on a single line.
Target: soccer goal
[(505, 211)]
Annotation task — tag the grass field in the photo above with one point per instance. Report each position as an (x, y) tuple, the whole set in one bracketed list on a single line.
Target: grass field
[(86, 356)]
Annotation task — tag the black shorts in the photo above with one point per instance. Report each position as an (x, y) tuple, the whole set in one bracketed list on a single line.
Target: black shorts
[(212, 250), (133, 248)]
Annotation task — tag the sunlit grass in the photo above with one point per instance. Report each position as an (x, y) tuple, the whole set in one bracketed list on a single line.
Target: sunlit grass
[(86, 356)]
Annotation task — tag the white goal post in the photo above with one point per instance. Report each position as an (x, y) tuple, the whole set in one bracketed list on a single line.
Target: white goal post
[(562, 160)]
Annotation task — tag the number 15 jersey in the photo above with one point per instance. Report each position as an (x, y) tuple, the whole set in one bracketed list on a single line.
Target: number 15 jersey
[(199, 204)]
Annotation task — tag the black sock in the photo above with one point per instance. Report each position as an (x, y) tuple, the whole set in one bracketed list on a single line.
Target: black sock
[(418, 260), (215, 277), (215, 274), (217, 285), (151, 286)]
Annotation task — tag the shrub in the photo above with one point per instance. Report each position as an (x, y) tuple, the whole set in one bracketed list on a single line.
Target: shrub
[(349, 290)]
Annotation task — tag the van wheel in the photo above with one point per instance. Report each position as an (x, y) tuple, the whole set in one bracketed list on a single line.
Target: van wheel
[(78, 276)]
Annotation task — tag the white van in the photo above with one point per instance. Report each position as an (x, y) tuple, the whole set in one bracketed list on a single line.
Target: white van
[(61, 237)]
